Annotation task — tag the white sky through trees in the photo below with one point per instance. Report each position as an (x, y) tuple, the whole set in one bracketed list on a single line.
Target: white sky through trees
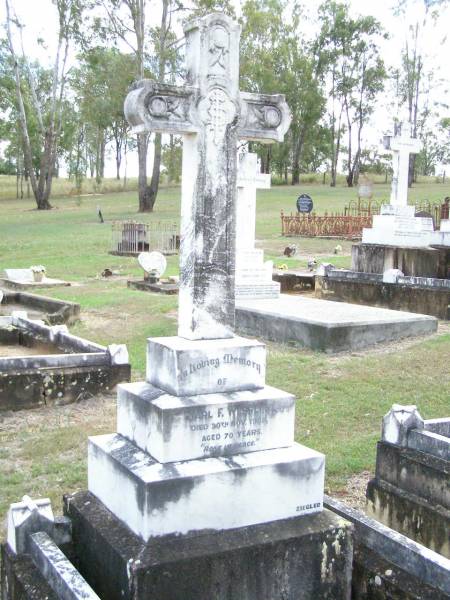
[(40, 19)]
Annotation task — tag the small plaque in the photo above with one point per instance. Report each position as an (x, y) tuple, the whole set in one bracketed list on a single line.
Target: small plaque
[(304, 203)]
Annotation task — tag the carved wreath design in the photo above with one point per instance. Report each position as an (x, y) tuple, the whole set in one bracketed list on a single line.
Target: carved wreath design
[(165, 107)]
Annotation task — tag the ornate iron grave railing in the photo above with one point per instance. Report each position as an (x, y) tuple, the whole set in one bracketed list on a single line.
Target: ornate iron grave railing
[(333, 225), (129, 238)]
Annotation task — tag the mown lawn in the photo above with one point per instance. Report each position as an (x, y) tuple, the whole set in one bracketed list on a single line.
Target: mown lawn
[(341, 399)]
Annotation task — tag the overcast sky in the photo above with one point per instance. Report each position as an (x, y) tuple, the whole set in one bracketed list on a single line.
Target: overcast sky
[(39, 17)]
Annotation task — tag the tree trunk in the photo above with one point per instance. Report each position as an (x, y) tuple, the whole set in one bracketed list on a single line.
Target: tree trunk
[(154, 184), (295, 172), (102, 156), (147, 194), (142, 143), (297, 152)]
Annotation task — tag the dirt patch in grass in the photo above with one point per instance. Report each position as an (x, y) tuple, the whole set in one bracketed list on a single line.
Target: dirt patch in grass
[(43, 452), (354, 492)]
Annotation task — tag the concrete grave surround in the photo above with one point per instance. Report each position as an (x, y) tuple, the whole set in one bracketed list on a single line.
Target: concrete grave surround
[(77, 367), (422, 295), (51, 310), (410, 490), (327, 326), (58, 571), (253, 275), (22, 279)]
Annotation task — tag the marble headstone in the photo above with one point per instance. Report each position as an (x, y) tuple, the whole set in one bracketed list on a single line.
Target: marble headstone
[(396, 224), (204, 443), (253, 274)]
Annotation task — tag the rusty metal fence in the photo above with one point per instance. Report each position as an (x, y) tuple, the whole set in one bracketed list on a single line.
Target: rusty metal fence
[(333, 225), (360, 208)]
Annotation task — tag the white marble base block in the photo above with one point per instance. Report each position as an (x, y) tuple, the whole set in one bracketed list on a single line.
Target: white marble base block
[(210, 493), (397, 226), (174, 428), (189, 367)]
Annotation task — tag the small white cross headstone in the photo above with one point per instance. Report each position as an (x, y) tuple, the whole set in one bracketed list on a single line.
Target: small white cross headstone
[(401, 146), (211, 114)]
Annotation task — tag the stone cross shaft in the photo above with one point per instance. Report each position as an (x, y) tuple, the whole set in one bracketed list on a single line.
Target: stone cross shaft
[(248, 181), (401, 147), (211, 114)]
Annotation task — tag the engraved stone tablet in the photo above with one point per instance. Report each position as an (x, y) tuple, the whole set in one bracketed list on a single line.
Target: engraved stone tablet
[(172, 428), (189, 367)]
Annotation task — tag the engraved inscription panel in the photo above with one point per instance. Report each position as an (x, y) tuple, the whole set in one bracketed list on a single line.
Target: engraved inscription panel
[(230, 429), (218, 367)]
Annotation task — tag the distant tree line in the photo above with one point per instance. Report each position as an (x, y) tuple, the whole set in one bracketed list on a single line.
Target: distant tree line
[(332, 75)]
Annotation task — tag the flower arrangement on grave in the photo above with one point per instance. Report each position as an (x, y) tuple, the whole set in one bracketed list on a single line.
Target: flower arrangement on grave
[(38, 272), (153, 276)]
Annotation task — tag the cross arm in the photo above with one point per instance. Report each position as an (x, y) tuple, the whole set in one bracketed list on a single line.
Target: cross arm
[(264, 117), (162, 108)]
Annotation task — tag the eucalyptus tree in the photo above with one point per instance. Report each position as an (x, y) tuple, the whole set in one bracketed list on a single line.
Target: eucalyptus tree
[(415, 77), (34, 104), (155, 53), (355, 74), (100, 84), (275, 57)]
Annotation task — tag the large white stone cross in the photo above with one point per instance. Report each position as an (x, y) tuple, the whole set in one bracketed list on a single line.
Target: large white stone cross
[(401, 147), (211, 114)]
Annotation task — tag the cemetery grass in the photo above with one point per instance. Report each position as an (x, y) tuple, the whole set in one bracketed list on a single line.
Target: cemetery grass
[(341, 399)]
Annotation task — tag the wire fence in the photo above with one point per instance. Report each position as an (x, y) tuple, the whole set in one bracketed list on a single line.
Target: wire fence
[(129, 238)]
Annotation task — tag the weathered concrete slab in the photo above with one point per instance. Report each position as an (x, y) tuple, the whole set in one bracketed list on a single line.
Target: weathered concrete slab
[(410, 490), (77, 368), (157, 288), (47, 282), (327, 326), (52, 310), (57, 570)]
